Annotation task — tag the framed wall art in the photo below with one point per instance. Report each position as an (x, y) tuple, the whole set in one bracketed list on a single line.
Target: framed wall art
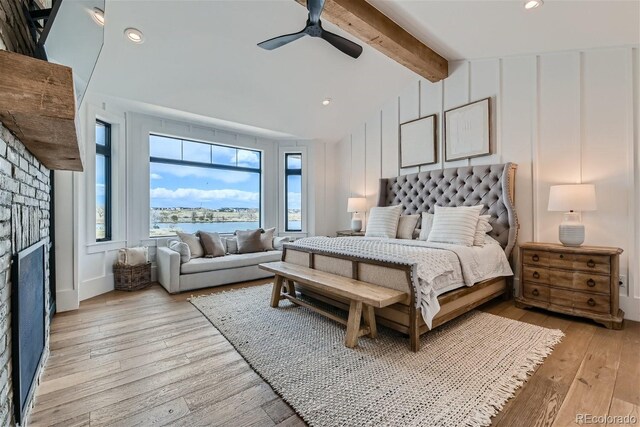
[(467, 130), (418, 142)]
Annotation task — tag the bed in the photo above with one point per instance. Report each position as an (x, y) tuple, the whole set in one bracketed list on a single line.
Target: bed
[(366, 259)]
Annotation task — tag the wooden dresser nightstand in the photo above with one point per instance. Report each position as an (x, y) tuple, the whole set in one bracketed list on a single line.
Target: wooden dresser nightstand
[(347, 233), (581, 281)]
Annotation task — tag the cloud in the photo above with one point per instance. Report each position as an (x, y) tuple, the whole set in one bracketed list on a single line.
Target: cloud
[(295, 200), (228, 177), (249, 159), (156, 176), (194, 194)]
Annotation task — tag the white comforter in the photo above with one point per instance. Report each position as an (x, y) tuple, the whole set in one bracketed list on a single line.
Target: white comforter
[(435, 266)]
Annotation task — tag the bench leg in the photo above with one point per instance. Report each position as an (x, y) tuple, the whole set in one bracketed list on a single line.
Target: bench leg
[(275, 292), (291, 287), (414, 329), (353, 324), (370, 320)]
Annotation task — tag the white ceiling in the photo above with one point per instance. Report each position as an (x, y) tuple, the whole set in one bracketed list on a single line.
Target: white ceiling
[(474, 29), (201, 58)]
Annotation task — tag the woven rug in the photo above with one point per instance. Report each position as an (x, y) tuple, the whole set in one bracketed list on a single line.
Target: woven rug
[(464, 373)]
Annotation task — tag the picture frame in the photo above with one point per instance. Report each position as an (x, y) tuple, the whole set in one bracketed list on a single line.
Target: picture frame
[(418, 142), (467, 130)]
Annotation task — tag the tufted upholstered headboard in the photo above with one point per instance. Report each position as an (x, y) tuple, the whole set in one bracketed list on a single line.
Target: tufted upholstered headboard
[(491, 186)]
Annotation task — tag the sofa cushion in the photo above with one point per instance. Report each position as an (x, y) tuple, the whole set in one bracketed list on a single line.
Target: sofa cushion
[(200, 265)]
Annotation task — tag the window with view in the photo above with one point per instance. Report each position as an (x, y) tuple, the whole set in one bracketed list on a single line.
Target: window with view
[(293, 191), (201, 186), (103, 181)]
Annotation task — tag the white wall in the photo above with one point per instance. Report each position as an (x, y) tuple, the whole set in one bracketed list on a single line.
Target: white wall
[(84, 267), (563, 118)]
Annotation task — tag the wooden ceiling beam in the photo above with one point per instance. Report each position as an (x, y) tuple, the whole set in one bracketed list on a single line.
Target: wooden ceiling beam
[(368, 24)]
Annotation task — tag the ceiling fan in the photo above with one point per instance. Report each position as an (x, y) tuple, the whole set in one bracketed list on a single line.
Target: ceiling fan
[(314, 29)]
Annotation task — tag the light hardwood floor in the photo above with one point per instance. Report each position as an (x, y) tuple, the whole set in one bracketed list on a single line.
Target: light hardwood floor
[(147, 358)]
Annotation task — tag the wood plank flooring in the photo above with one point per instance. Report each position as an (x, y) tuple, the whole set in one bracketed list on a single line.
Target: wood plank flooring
[(150, 358)]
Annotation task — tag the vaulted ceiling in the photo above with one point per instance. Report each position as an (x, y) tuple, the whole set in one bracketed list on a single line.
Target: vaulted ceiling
[(201, 58)]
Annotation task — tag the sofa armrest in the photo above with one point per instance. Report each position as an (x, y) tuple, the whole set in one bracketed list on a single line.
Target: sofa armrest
[(168, 264)]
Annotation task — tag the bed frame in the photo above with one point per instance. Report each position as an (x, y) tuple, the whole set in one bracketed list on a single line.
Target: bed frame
[(491, 186)]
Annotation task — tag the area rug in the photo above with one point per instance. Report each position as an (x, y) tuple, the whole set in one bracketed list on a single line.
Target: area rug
[(464, 373)]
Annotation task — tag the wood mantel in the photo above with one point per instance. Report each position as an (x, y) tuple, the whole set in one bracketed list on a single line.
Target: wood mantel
[(362, 20), (37, 104)]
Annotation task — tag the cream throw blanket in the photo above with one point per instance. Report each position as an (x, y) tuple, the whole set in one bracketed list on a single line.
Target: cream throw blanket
[(428, 261)]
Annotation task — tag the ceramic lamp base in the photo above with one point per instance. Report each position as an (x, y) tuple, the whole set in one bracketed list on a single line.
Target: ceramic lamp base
[(356, 224), (571, 230)]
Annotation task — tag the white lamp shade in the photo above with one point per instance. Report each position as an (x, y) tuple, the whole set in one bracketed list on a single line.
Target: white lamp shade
[(356, 204), (572, 197)]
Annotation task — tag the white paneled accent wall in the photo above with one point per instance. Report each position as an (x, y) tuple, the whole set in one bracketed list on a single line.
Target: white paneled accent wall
[(565, 117)]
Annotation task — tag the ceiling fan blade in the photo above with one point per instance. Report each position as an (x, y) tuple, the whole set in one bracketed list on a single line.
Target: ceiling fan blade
[(279, 41), (346, 46), (315, 10)]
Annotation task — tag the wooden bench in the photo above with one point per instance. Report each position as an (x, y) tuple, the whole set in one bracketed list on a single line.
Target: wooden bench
[(363, 297)]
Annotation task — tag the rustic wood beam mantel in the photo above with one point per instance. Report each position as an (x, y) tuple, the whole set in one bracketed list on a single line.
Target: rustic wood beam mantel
[(37, 104), (362, 20)]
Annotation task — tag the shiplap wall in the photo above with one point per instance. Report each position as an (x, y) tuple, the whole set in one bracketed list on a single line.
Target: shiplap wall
[(563, 118)]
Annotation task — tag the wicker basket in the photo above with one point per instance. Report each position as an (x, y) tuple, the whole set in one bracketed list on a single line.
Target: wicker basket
[(131, 278)]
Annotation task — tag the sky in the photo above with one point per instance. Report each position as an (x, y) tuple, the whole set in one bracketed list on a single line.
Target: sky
[(187, 186)]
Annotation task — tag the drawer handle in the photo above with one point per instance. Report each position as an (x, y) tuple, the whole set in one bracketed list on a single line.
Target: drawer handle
[(591, 302), (591, 263), (591, 283), (561, 256), (536, 258), (535, 293), (536, 275)]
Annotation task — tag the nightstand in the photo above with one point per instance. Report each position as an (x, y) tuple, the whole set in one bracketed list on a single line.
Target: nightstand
[(580, 281), (351, 233)]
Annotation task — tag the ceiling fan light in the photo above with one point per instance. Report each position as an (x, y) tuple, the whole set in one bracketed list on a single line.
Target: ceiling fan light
[(134, 35), (532, 4), (98, 16), (326, 101)]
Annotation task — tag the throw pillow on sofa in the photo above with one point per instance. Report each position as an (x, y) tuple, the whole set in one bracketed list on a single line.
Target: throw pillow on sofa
[(267, 238), (249, 241), (182, 248), (232, 245), (194, 244), (212, 244), (278, 242)]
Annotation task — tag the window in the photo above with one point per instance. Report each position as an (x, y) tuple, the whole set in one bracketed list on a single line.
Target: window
[(103, 181), (293, 191), (201, 186)]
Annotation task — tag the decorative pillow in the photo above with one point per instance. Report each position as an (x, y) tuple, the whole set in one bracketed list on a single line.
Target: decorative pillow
[(249, 241), (455, 225), (212, 244), (406, 226), (278, 242), (182, 248), (267, 238), (425, 228), (482, 229), (383, 221), (232, 245), (194, 244)]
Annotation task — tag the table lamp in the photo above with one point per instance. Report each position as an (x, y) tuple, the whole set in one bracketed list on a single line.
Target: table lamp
[(572, 199), (356, 205)]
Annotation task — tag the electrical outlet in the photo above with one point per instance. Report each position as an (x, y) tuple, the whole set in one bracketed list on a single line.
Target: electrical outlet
[(622, 281)]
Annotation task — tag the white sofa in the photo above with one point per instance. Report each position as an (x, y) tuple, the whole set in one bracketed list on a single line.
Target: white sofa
[(206, 272)]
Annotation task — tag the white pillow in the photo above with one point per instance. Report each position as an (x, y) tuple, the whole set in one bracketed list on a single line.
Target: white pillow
[(278, 242), (455, 225), (482, 228), (267, 238), (383, 221), (425, 227), (182, 248), (406, 226)]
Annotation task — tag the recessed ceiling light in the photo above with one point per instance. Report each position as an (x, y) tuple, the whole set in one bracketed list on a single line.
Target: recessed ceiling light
[(134, 35), (98, 15), (326, 101), (532, 4)]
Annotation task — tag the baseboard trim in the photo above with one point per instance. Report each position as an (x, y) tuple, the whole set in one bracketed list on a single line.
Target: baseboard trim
[(67, 300)]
